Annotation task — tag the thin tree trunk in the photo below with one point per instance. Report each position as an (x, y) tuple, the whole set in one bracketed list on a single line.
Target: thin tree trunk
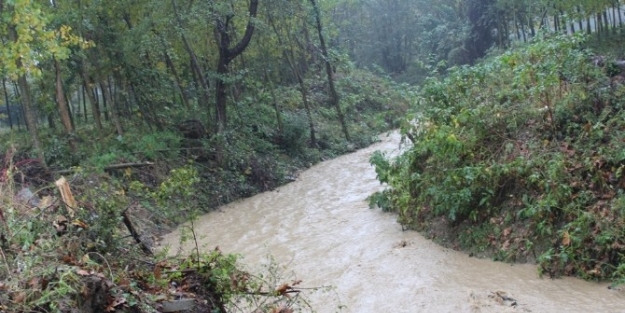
[(145, 114), (183, 94), (599, 24), (334, 96), (556, 23), (22, 117), (580, 22), (72, 109), (51, 123), (531, 24), (106, 94), (517, 28), (294, 64), (63, 108), (105, 102), (506, 33), (95, 110), (6, 102), (311, 124), (613, 18), (77, 107), (562, 23), (274, 102), (195, 64), (500, 23), (226, 55), (29, 114), (198, 88), (304, 92), (606, 23), (84, 104), (172, 68)]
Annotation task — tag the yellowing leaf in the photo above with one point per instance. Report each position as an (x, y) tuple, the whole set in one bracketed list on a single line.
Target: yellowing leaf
[(566, 239)]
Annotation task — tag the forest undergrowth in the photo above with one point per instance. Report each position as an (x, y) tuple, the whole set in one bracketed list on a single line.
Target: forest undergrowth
[(520, 158), (96, 253)]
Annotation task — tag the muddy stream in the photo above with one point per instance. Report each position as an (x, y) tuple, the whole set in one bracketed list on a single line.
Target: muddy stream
[(321, 229)]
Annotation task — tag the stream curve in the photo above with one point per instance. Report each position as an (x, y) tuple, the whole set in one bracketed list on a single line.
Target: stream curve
[(320, 228)]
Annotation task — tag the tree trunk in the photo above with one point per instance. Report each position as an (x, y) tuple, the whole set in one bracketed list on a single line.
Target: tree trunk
[(145, 115), (195, 64), (580, 23), (106, 94), (64, 112), (599, 24), (517, 28), (556, 23), (613, 18), (311, 124), (532, 28), (51, 123), (334, 96), (563, 23), (505, 34), (84, 105), (226, 55), (6, 102), (274, 102), (95, 110), (220, 94), (29, 115), (620, 17), (606, 23), (171, 66), (295, 65), (105, 102), (183, 94), (304, 92), (22, 118)]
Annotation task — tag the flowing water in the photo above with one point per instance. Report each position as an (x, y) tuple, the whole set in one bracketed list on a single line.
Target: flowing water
[(320, 228)]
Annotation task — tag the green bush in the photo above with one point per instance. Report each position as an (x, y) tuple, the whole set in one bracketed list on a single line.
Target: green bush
[(294, 134)]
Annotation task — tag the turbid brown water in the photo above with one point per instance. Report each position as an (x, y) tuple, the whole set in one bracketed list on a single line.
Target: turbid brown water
[(320, 228)]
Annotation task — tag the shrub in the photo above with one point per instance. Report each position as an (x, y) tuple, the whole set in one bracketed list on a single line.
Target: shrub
[(530, 134)]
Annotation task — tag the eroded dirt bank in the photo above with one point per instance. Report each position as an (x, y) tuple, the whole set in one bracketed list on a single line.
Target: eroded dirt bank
[(320, 227)]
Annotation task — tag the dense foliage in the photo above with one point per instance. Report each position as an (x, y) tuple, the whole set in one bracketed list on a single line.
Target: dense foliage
[(174, 107), (525, 150)]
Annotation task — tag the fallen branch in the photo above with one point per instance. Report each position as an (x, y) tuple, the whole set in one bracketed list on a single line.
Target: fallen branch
[(133, 232), (110, 167)]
